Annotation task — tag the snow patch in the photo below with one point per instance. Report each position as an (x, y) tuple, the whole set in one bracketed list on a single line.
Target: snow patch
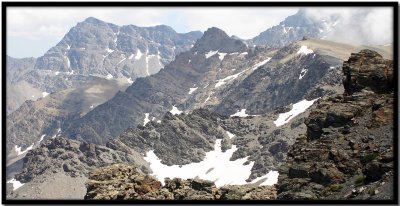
[(230, 135), (146, 119), (210, 53), (44, 94), (241, 113), (269, 179), (109, 76), (159, 121), (305, 50), (131, 56), (57, 73), (175, 110), (225, 80), (18, 149), (16, 184), (41, 138), (214, 167), (121, 61), (138, 55), (129, 80), (297, 109), (303, 72), (261, 63), (221, 56), (191, 90), (91, 106), (243, 54), (109, 50), (208, 98)]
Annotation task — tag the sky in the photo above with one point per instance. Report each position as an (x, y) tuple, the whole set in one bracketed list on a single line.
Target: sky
[(32, 31)]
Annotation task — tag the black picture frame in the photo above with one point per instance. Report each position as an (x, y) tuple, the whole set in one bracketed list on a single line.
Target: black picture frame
[(6, 5)]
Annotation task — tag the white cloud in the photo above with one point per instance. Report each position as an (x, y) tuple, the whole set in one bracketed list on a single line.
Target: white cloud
[(367, 25)]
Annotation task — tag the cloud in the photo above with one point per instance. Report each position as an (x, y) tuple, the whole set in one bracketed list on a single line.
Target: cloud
[(370, 26), (243, 22)]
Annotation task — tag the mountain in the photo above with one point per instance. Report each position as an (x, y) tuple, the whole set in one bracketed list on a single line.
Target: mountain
[(15, 95), (347, 152), (220, 106), (100, 49), (295, 28), (81, 72)]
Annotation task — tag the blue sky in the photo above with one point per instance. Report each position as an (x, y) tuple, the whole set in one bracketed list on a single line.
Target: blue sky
[(32, 31)]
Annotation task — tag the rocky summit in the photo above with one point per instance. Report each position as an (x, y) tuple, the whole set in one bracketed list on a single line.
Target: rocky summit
[(124, 182), (348, 150)]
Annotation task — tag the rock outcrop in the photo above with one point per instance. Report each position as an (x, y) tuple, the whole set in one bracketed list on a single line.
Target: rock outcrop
[(348, 150), (124, 182)]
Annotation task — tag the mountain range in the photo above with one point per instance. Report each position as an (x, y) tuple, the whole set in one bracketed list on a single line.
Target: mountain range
[(170, 103)]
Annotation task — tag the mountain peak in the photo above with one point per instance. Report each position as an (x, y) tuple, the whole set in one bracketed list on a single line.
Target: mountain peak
[(92, 20), (216, 39)]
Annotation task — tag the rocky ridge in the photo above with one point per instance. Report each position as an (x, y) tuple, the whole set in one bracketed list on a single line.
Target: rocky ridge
[(348, 150), (124, 182)]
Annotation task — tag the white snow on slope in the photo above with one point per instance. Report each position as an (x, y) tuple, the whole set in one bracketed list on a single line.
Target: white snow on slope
[(243, 54), (121, 61), (241, 113), (44, 94), (303, 72), (91, 106), (41, 138), (216, 167), (146, 119), (16, 184), (221, 56), (297, 109), (191, 90), (260, 64), (138, 54), (175, 110), (68, 47), (270, 178), (159, 121), (18, 149), (68, 62), (230, 135), (305, 50), (210, 53), (208, 98), (129, 80), (109, 50), (131, 56), (109, 76), (227, 79)]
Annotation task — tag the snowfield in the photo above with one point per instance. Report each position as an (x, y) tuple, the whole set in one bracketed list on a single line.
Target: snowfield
[(216, 167), (305, 50), (175, 110)]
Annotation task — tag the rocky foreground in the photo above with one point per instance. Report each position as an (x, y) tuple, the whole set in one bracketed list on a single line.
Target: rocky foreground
[(348, 150), (125, 182)]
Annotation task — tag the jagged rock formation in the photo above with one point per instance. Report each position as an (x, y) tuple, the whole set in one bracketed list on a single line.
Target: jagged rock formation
[(124, 182), (348, 150), (74, 158)]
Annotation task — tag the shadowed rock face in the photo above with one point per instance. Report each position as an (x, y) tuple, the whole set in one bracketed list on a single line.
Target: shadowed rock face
[(367, 69), (124, 182), (348, 150)]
